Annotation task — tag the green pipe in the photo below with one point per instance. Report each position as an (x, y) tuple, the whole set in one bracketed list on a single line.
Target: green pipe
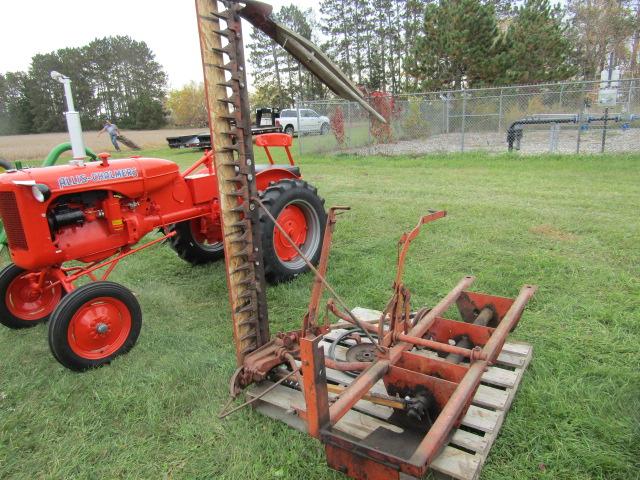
[(55, 153), (51, 159)]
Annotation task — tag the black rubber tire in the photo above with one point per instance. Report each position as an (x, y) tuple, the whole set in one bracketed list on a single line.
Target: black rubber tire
[(289, 130), (276, 198), (324, 129), (70, 304), (7, 275), (5, 165), (189, 249)]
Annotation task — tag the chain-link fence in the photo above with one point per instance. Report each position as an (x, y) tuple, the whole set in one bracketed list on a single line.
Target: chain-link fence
[(558, 118)]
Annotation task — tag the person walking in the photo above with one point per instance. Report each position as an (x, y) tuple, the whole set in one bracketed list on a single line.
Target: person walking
[(113, 132)]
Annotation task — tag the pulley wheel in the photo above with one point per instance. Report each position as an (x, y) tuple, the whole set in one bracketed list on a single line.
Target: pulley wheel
[(361, 352)]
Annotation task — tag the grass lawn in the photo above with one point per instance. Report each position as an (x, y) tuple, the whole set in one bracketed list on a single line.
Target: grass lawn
[(569, 224)]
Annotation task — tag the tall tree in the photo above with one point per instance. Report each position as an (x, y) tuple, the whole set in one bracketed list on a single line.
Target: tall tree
[(337, 25), (537, 48), (114, 77), (599, 27), (15, 110), (188, 106), (278, 77), (458, 47), (123, 70)]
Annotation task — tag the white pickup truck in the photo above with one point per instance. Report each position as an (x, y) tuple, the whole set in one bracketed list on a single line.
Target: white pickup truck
[(310, 122)]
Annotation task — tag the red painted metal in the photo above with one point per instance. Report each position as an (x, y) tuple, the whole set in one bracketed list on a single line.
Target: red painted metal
[(267, 140), (436, 387), (440, 347), (32, 296), (314, 384), (293, 221), (106, 313)]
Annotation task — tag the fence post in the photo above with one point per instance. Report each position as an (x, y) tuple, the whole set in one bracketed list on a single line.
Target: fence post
[(500, 112), (630, 96), (554, 133), (447, 110), (299, 130), (464, 113), (579, 122), (349, 129), (369, 139)]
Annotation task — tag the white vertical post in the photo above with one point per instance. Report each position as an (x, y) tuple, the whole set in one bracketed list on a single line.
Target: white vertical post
[(500, 112), (299, 127), (73, 118), (464, 114)]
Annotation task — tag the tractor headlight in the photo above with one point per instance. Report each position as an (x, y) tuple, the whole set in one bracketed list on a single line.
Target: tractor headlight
[(41, 192)]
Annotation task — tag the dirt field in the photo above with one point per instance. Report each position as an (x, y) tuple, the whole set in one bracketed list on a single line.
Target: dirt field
[(37, 146)]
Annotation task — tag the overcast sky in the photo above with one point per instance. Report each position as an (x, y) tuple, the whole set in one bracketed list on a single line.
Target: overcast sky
[(28, 27)]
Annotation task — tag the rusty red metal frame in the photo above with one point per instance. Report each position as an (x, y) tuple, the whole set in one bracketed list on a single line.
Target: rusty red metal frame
[(66, 276), (445, 385)]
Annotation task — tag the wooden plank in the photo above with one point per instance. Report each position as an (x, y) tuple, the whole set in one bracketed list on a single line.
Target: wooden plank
[(468, 440), (481, 419), (491, 436), (519, 348), (354, 423), (491, 397), (277, 413), (510, 359), (456, 463), (366, 314), (500, 376)]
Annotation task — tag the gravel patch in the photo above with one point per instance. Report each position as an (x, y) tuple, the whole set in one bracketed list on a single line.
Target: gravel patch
[(533, 143)]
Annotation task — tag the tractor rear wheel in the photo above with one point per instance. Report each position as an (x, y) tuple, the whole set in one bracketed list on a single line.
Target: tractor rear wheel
[(25, 304), (192, 246), (300, 211), (94, 324)]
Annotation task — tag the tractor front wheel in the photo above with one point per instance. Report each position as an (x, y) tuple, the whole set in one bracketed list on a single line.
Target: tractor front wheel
[(94, 324), (192, 245), (26, 303), (300, 212)]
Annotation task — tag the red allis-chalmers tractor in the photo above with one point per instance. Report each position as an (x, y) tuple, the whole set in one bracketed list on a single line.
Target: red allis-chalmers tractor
[(94, 213)]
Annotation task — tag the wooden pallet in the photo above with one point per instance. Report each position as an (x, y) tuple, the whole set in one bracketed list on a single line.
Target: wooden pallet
[(469, 445)]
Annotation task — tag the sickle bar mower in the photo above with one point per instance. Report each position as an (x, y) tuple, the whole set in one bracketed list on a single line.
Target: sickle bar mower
[(429, 395)]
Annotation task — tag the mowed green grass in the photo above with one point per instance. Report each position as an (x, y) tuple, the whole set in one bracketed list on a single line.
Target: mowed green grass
[(568, 224)]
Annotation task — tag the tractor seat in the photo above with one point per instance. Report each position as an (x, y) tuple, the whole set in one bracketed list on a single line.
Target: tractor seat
[(265, 166)]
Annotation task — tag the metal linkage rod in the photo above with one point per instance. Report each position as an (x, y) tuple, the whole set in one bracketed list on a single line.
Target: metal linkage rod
[(318, 275)]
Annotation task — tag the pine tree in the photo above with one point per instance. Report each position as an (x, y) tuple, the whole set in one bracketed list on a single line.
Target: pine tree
[(537, 48), (337, 25), (458, 47), (116, 77), (278, 78)]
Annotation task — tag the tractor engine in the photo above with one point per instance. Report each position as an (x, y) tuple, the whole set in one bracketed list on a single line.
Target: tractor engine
[(89, 211)]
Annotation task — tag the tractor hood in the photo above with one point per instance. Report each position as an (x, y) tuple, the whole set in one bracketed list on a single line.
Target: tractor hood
[(131, 177)]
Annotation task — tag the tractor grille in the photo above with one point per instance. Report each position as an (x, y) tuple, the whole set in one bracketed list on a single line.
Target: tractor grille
[(11, 219)]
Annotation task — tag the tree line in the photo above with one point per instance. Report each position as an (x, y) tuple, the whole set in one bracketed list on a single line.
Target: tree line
[(114, 78), (395, 46), (401, 46)]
